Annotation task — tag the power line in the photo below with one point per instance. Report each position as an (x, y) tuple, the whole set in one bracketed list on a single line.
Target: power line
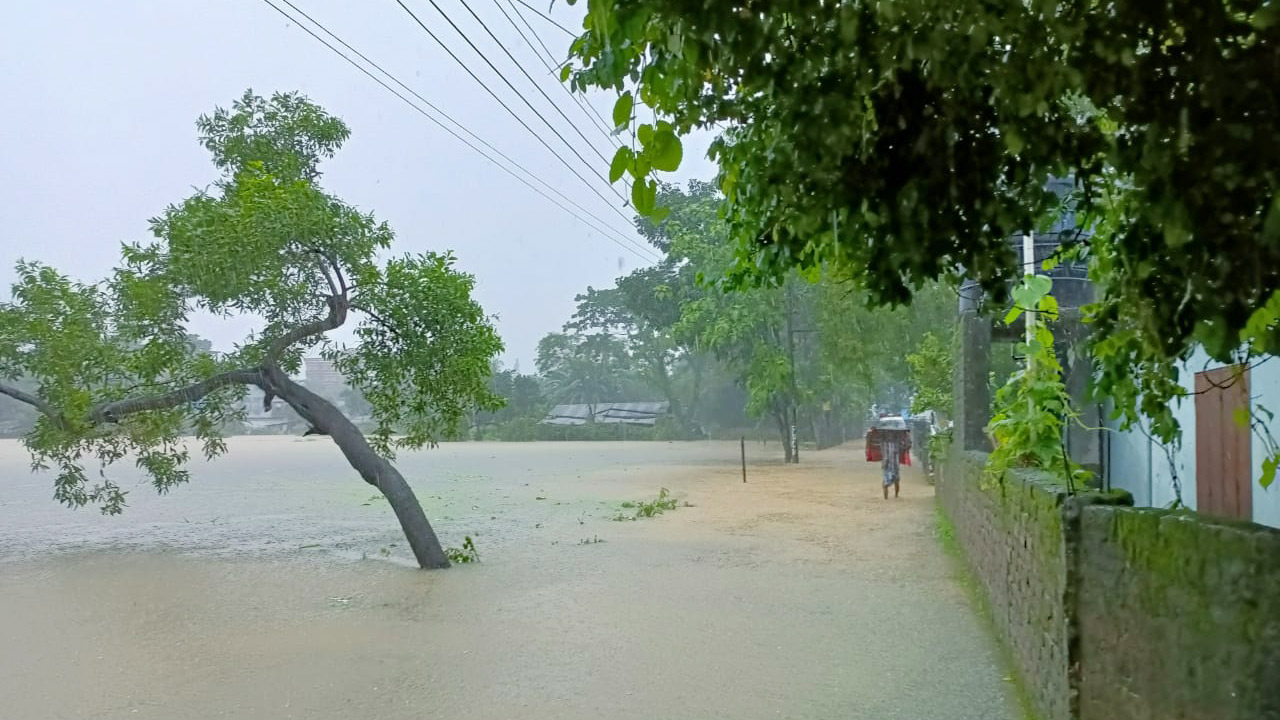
[(591, 112), (586, 108), (506, 107), (459, 125), (557, 64), (529, 77), (546, 17), (534, 33), (393, 91)]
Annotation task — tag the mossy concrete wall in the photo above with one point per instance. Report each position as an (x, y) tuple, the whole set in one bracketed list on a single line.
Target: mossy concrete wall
[(1179, 617), (1012, 536), (1116, 613)]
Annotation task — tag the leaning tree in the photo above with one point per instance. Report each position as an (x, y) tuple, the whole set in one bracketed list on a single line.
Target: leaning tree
[(111, 369)]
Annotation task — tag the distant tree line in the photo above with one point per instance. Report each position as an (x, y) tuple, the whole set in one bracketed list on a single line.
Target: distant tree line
[(806, 349)]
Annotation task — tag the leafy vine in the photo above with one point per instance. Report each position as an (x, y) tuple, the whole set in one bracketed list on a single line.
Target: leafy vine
[(1033, 407)]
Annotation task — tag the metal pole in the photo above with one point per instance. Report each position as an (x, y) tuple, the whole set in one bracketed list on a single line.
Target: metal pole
[(795, 392), (744, 458), (1029, 268)]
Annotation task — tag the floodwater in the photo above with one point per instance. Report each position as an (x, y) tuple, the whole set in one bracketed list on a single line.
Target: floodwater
[(275, 585)]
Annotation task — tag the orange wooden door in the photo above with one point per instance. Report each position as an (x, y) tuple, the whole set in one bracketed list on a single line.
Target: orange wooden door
[(1224, 460)]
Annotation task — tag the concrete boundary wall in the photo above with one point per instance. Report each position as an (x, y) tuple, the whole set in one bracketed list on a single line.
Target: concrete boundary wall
[(1116, 613)]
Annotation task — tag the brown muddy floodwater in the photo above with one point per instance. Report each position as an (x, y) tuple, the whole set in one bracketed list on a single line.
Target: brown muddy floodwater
[(275, 586)]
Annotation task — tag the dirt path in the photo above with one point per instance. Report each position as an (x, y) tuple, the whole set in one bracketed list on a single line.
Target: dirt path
[(800, 594)]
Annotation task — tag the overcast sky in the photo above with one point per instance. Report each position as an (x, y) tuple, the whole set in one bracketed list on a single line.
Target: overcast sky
[(100, 101)]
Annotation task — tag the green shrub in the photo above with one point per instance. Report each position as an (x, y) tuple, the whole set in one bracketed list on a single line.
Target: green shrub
[(465, 554), (655, 507)]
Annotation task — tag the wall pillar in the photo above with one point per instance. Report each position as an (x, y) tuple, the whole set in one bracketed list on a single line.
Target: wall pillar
[(973, 367), (1084, 444)]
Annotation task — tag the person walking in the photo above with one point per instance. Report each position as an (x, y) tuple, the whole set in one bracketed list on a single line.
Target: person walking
[(890, 449)]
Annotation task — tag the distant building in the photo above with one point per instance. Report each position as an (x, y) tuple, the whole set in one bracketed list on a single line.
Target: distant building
[(639, 413), (324, 379), (253, 409)]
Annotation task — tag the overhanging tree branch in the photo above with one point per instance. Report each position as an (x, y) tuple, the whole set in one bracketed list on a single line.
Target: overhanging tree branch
[(26, 397), (114, 411)]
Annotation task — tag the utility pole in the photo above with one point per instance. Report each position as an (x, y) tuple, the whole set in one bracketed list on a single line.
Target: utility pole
[(1029, 268), (795, 391), (1029, 314)]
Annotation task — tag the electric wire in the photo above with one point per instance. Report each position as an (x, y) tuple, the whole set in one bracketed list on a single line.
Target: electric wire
[(643, 254), (506, 107)]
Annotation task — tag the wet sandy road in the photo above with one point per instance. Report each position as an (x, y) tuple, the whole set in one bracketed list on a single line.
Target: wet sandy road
[(798, 595)]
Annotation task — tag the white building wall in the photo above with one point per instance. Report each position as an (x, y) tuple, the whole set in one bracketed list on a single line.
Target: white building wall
[(1264, 387), (1129, 464), (1144, 469)]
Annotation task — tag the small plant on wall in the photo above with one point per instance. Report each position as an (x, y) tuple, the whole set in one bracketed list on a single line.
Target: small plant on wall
[(1033, 407)]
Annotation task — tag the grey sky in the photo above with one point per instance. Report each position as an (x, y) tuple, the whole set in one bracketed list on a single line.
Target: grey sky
[(100, 101)]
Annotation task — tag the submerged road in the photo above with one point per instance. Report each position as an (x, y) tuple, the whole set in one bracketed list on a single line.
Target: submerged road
[(274, 586)]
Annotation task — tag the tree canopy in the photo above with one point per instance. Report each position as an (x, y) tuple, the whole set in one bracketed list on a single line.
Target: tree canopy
[(899, 141), (116, 374), (809, 349)]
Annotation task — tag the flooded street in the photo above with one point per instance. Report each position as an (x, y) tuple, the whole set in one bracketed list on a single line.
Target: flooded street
[(275, 585)]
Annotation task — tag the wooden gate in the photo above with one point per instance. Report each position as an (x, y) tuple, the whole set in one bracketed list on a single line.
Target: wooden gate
[(1224, 461)]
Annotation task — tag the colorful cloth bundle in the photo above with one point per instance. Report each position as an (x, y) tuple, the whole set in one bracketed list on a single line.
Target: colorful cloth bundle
[(874, 436)]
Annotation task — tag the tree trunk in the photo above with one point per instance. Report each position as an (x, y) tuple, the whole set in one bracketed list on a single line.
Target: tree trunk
[(662, 378), (695, 393), (785, 431), (374, 468)]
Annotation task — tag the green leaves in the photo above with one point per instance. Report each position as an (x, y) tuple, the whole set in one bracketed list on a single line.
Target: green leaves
[(666, 151), (286, 135), (264, 243), (79, 348), (932, 367), (1260, 420), (1033, 287), (1033, 406), (1260, 329), (1032, 295), (917, 127), (644, 195), (424, 351), (1269, 466), (622, 159), (621, 108), (662, 331), (660, 148)]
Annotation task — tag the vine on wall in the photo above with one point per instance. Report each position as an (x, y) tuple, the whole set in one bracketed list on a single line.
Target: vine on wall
[(1033, 407)]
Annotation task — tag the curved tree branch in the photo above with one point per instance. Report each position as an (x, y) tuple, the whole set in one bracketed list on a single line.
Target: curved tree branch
[(338, 306), (386, 325), (324, 270), (114, 411), (29, 399), (342, 280), (328, 262)]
